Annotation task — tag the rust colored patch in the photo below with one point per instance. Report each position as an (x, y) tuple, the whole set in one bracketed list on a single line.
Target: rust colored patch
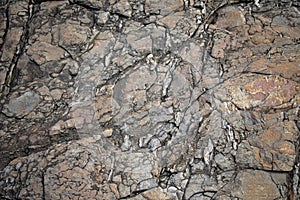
[(285, 147), (269, 137), (273, 143), (261, 159), (258, 96), (271, 91), (273, 101)]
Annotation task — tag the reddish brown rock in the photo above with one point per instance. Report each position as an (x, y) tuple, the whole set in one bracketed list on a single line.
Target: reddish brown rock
[(230, 17), (72, 36), (263, 93), (277, 66), (42, 52), (275, 142)]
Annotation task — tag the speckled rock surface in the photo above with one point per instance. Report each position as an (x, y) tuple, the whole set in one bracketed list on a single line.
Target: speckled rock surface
[(150, 99)]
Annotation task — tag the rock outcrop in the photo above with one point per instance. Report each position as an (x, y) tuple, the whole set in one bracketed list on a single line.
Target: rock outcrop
[(150, 99)]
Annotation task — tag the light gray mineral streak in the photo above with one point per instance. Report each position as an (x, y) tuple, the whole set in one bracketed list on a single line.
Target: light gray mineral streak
[(208, 152)]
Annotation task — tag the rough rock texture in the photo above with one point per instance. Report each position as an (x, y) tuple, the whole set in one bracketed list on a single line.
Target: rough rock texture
[(149, 99)]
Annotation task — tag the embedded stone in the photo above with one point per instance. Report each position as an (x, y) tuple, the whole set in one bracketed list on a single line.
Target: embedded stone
[(23, 104)]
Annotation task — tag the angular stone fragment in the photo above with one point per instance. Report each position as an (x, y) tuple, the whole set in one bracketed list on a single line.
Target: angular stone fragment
[(102, 45), (204, 184), (122, 7), (230, 17), (11, 41), (149, 39), (162, 7), (72, 36), (42, 52), (257, 185), (24, 104), (193, 53), (172, 20), (272, 149), (220, 46)]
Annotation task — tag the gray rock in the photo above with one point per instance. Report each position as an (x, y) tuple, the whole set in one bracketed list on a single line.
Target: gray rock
[(23, 104)]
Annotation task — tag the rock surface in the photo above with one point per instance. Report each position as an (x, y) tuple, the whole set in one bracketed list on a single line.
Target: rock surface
[(151, 99)]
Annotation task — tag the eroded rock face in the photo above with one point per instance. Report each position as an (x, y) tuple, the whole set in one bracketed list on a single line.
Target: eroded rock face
[(149, 99)]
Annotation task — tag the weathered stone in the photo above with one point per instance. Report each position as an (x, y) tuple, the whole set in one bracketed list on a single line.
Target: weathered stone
[(230, 17), (164, 7), (277, 68), (102, 45), (263, 92), (220, 46), (56, 93), (123, 7), (256, 185), (171, 20), (170, 99), (193, 53), (11, 41), (157, 194), (3, 74), (72, 36), (42, 52), (274, 143), (148, 39), (24, 104)]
